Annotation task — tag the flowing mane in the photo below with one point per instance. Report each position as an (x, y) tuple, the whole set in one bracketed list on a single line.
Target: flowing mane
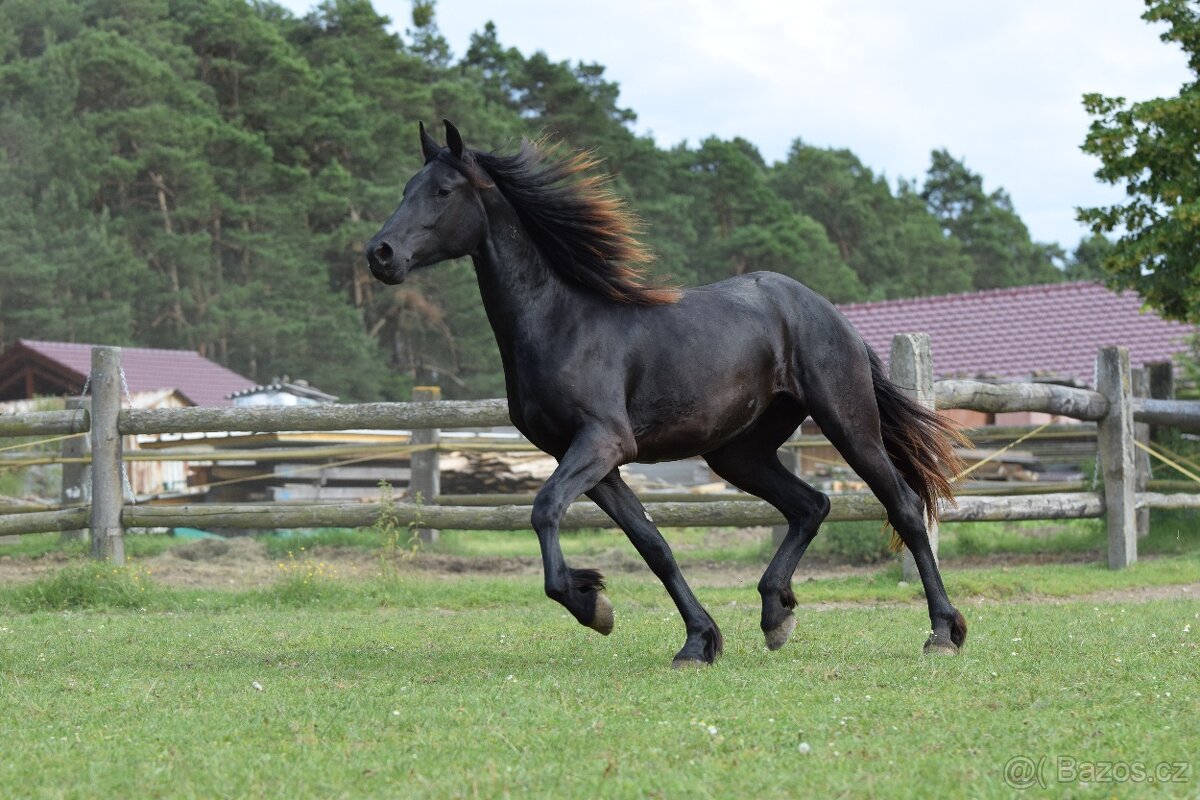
[(585, 231)]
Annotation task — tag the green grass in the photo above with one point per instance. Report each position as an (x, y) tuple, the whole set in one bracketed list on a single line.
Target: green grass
[(40, 545), (418, 685), (504, 696)]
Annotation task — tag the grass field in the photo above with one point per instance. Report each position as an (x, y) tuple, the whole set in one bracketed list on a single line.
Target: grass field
[(414, 684)]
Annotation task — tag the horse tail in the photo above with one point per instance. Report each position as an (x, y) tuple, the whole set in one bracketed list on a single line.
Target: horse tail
[(919, 442)]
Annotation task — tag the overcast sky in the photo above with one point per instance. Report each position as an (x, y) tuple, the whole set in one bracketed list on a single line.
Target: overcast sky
[(997, 84)]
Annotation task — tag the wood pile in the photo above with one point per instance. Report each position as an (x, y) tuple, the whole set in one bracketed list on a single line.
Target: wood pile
[(494, 473)]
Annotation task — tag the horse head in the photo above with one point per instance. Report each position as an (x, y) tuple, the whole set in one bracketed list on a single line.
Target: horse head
[(441, 215)]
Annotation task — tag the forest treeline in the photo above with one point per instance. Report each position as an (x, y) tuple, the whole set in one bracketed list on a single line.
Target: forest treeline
[(202, 174)]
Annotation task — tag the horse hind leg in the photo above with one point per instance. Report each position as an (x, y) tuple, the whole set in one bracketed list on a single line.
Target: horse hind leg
[(751, 464), (854, 430)]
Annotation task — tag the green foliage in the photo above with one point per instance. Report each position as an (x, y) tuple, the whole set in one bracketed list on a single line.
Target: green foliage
[(1058, 537), (894, 246), (90, 584), (214, 167), (303, 581), (1086, 263), (993, 237), (1189, 362), (1149, 147), (853, 542)]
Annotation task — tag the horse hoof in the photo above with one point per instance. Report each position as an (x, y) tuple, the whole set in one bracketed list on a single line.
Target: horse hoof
[(602, 619), (777, 637), (937, 646), (689, 663)]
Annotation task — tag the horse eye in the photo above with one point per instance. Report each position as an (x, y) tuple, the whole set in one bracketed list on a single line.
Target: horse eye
[(443, 191)]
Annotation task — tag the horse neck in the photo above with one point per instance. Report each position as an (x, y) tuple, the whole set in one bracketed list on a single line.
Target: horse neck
[(518, 287)]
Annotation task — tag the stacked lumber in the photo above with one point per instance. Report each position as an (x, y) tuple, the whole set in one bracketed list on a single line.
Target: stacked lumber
[(494, 473)]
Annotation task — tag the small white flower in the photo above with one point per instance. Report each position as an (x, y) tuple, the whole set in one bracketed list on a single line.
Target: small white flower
[(1016, 638), (804, 748), (396, 713), (712, 730), (258, 687)]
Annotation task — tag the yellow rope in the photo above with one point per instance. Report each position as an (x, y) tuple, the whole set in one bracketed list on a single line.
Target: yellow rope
[(313, 467), (1170, 463), (1181, 459), (997, 453), (42, 441)]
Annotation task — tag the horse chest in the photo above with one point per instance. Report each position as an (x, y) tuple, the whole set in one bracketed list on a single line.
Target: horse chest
[(549, 431)]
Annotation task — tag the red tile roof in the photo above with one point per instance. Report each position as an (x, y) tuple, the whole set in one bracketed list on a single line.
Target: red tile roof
[(1051, 331), (204, 382)]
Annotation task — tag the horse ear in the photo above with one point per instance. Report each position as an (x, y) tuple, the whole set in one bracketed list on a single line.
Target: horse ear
[(429, 148), (453, 139)]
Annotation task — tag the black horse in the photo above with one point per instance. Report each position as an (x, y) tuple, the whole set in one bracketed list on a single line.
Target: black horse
[(602, 369)]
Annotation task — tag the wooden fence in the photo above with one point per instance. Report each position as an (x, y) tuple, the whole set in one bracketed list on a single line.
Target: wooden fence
[(1112, 406)]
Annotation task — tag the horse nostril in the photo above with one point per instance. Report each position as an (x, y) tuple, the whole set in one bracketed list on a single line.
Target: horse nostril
[(379, 256), (383, 254)]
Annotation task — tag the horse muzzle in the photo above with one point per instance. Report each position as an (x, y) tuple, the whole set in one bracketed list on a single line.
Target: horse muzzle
[(386, 265)]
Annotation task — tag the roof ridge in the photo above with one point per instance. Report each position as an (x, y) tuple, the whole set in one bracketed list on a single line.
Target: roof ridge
[(999, 291), (25, 341)]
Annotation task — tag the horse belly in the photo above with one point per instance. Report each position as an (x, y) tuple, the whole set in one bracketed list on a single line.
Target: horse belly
[(682, 429)]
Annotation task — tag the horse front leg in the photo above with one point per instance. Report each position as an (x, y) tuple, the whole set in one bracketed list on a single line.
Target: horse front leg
[(591, 456), (704, 643)]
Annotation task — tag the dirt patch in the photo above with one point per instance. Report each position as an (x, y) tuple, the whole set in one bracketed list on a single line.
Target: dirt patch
[(213, 563), (1140, 594), (21, 570)]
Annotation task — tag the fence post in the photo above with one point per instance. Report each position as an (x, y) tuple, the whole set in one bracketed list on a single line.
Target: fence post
[(1140, 385), (1162, 387), (75, 475), (1114, 437), (107, 490), (424, 480), (911, 368)]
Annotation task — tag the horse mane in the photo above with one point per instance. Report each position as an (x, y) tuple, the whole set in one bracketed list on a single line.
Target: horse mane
[(586, 232)]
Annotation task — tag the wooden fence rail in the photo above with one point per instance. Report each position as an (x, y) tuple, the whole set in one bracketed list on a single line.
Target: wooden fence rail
[(1112, 407), (1063, 401)]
